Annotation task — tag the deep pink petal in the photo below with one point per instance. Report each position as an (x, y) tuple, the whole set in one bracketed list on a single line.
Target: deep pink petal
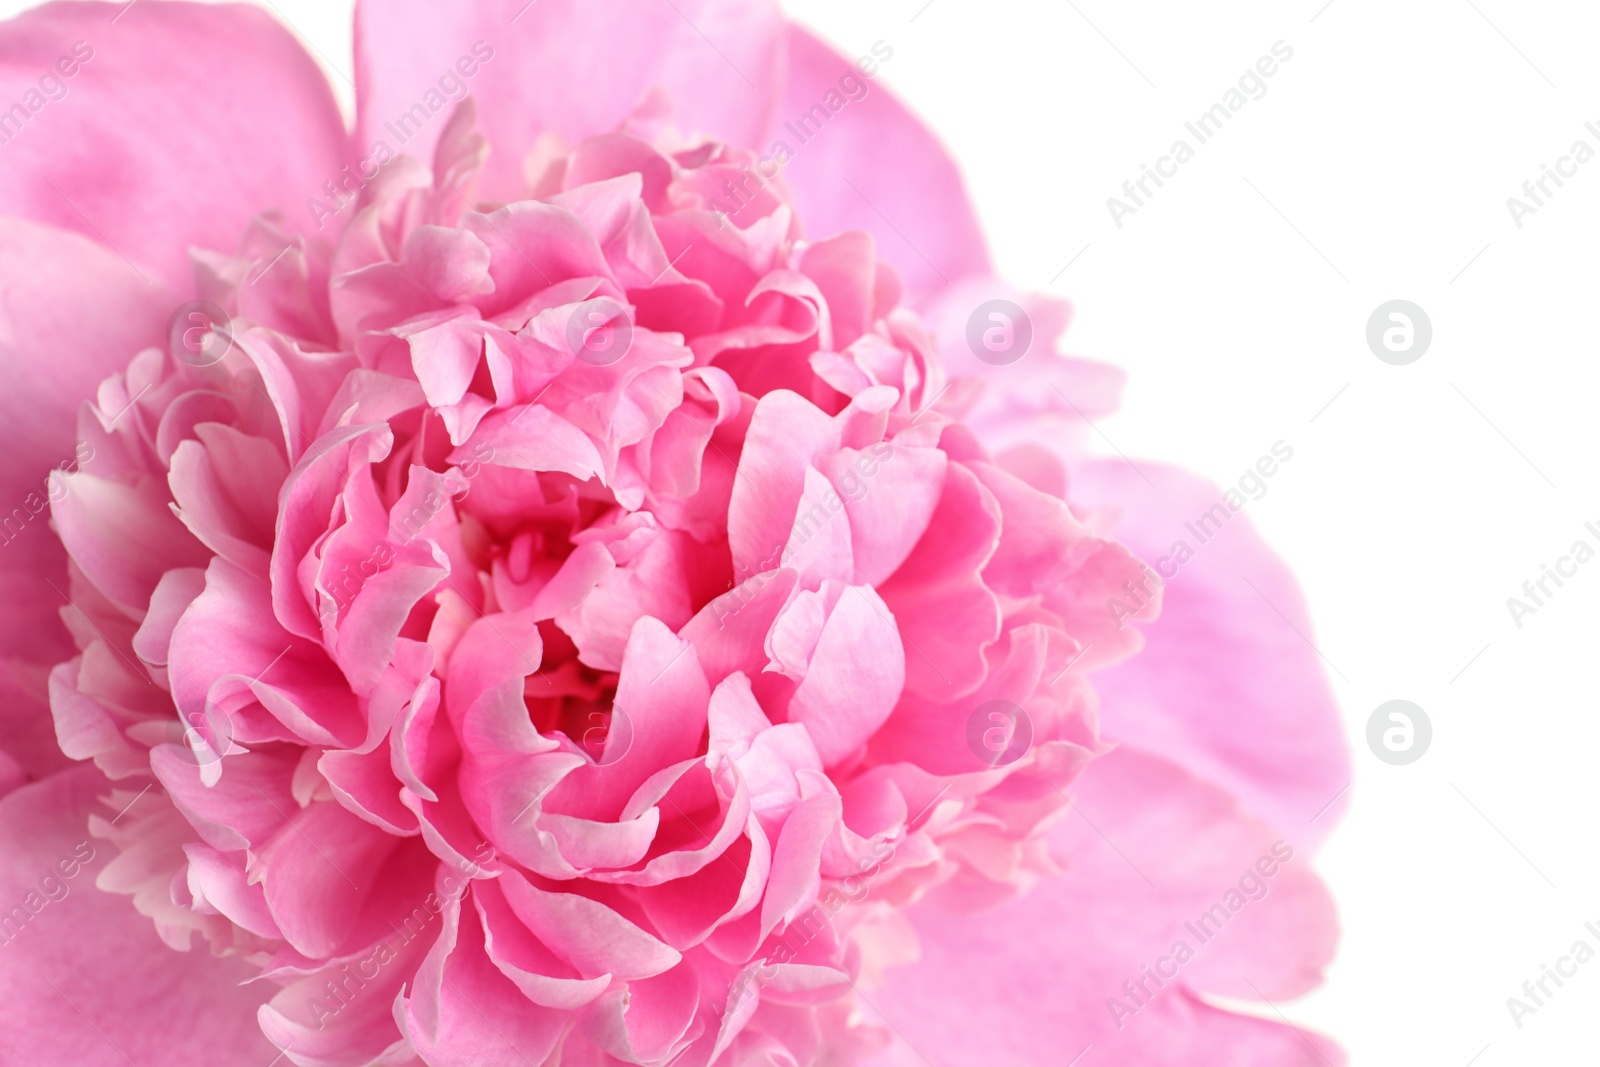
[(664, 694), (27, 731), (946, 615)]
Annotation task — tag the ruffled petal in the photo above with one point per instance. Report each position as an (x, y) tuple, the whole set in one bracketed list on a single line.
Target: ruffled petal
[(568, 68)]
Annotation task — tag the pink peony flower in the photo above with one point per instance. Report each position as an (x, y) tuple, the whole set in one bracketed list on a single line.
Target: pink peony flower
[(546, 578)]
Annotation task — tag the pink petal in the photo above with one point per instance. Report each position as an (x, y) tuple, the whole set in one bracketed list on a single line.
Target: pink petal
[(565, 67), (221, 882), (664, 693), (216, 482), (311, 894), (26, 726), (908, 193), (535, 439), (645, 1021), (842, 267), (540, 975), (586, 933), (795, 880), (728, 634), (889, 493), (461, 1011), (83, 978), (946, 615), (1034, 980), (122, 535), (819, 536), (228, 631), (786, 432), (245, 122), (857, 670), (75, 306), (1226, 685)]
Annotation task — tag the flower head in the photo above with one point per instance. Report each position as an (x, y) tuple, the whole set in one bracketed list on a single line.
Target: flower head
[(552, 598)]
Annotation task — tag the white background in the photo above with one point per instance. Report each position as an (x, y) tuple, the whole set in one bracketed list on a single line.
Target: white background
[(1421, 497)]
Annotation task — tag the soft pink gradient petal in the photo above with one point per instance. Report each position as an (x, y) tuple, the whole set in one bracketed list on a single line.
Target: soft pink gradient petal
[(87, 983), (1147, 848), (1228, 683), (188, 120), (78, 308), (876, 167), (568, 68)]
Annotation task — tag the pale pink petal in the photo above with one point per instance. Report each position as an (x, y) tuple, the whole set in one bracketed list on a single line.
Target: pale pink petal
[(907, 191), (244, 124), (122, 535), (854, 675), (586, 933), (84, 975), (785, 433), (1151, 852), (564, 67), (1229, 681)]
